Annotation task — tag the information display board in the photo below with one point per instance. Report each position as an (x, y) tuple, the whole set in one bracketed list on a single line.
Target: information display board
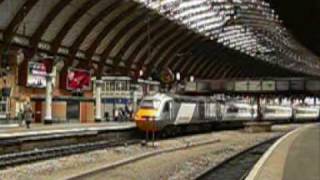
[(217, 85), (241, 86), (282, 85), (191, 86), (268, 86), (229, 86), (203, 86), (36, 76), (297, 85), (313, 85), (254, 86)]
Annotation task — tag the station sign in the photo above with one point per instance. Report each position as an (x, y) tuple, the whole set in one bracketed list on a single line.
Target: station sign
[(203, 86), (254, 86), (241, 86), (268, 86)]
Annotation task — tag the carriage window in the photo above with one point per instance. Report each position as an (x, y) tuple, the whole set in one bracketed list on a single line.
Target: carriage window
[(267, 110), (233, 109)]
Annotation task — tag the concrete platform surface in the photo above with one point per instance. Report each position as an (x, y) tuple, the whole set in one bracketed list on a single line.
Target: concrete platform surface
[(296, 156), (41, 129)]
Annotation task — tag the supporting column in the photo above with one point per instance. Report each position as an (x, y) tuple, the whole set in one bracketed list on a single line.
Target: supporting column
[(98, 117), (48, 116), (259, 113), (134, 98), (258, 125)]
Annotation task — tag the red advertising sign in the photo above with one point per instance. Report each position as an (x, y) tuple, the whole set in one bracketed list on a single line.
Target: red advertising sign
[(78, 80)]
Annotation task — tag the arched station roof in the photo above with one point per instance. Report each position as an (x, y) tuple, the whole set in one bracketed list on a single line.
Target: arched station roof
[(204, 38), (302, 18)]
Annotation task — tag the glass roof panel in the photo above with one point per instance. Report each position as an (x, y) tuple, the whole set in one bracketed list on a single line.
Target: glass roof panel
[(250, 26)]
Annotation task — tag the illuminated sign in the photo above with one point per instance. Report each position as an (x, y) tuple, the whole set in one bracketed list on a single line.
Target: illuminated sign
[(36, 76)]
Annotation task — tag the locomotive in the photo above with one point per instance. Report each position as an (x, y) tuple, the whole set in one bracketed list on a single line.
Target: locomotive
[(162, 110)]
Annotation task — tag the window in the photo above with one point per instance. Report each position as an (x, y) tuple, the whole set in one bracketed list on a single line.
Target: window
[(166, 107), (3, 106), (150, 104), (107, 86), (232, 109)]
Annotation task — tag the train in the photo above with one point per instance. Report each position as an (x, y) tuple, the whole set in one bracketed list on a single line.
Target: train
[(166, 112)]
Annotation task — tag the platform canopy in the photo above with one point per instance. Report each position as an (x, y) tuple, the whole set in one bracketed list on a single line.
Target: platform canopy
[(203, 38)]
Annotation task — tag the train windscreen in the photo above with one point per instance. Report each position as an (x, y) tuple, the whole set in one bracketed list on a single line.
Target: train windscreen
[(150, 104), (232, 109)]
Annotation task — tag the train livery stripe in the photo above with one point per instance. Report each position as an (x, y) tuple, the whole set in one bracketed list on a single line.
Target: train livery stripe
[(185, 113)]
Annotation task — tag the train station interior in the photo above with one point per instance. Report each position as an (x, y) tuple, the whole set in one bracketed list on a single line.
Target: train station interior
[(75, 74)]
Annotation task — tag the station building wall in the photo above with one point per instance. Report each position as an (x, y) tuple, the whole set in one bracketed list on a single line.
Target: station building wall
[(21, 94)]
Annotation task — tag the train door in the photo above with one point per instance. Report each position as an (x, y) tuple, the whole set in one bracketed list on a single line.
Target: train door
[(167, 111), (38, 112), (218, 111), (201, 111)]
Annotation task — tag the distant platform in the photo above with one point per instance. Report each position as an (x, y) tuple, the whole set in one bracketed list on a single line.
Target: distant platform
[(295, 156), (14, 130)]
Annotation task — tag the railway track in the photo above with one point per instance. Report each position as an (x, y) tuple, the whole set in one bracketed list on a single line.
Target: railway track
[(237, 167), (132, 160), (14, 159), (37, 154)]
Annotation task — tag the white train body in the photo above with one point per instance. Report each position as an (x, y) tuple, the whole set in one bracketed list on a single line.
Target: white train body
[(239, 111), (305, 112), (276, 112), (161, 110)]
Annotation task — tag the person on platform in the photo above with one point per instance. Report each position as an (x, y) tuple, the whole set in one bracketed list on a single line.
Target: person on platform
[(128, 112), (122, 115), (20, 117), (116, 114)]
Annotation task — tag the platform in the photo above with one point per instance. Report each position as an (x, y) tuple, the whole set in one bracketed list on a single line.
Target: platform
[(295, 156), (41, 129)]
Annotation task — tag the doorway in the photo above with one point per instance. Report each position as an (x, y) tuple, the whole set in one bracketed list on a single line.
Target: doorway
[(38, 112), (73, 111)]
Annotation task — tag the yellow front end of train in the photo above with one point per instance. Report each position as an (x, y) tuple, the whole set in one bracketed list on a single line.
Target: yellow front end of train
[(146, 119), (146, 115)]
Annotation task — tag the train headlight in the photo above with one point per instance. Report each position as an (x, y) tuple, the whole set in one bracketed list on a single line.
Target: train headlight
[(152, 118), (136, 117)]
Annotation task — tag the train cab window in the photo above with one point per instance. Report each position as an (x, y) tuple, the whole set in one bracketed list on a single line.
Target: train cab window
[(166, 107), (233, 109), (150, 104)]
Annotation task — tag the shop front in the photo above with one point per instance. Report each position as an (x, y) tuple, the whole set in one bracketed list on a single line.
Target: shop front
[(50, 91), (65, 109), (120, 95)]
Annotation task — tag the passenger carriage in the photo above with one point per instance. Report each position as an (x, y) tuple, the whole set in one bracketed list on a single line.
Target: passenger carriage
[(305, 112), (239, 111), (276, 112)]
